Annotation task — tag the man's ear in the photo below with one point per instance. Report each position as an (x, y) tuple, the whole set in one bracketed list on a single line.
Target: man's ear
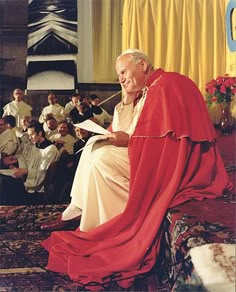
[(144, 65)]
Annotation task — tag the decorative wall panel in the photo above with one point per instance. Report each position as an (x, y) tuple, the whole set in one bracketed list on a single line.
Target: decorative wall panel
[(52, 45)]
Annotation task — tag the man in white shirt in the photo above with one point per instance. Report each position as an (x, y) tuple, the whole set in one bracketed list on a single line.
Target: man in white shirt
[(21, 131), (17, 108), (54, 109), (25, 184), (51, 127), (63, 140), (75, 99), (8, 140)]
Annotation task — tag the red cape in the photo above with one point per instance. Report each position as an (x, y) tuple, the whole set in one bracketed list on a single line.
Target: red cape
[(173, 158)]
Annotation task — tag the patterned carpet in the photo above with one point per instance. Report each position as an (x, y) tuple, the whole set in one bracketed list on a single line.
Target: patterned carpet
[(23, 260), (22, 257)]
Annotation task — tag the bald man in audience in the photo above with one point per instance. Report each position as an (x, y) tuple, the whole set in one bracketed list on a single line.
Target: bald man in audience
[(21, 131), (54, 109), (17, 108)]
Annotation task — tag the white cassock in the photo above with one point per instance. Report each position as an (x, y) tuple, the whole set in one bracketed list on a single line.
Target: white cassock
[(68, 107), (36, 161), (68, 140), (56, 109), (18, 109), (101, 183), (8, 142)]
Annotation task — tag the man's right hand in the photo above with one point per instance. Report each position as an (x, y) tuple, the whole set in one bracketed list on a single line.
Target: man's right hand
[(119, 139), (128, 97), (10, 161)]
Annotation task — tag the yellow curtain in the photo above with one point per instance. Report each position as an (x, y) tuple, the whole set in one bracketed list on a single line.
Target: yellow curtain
[(107, 18), (187, 36)]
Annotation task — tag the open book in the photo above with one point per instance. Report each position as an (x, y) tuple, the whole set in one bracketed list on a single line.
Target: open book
[(89, 125)]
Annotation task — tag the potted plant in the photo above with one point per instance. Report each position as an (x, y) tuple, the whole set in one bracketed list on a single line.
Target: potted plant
[(221, 91)]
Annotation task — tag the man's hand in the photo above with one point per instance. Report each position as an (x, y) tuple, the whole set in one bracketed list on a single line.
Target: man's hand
[(47, 116), (20, 172), (119, 139), (128, 97), (10, 161)]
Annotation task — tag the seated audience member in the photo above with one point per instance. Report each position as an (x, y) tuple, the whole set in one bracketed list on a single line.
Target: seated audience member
[(72, 160), (11, 124), (66, 167), (24, 122), (103, 117), (54, 109), (158, 155), (17, 108), (11, 121), (63, 139), (80, 112), (82, 136), (75, 100), (8, 140), (51, 127), (21, 131), (25, 183)]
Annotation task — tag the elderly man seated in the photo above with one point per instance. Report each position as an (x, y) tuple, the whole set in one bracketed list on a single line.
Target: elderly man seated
[(23, 181), (21, 131), (156, 157), (8, 140)]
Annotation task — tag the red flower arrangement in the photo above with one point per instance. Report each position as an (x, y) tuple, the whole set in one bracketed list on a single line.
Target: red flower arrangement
[(221, 89)]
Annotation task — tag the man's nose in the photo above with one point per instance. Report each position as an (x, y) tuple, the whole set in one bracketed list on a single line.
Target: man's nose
[(122, 79)]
